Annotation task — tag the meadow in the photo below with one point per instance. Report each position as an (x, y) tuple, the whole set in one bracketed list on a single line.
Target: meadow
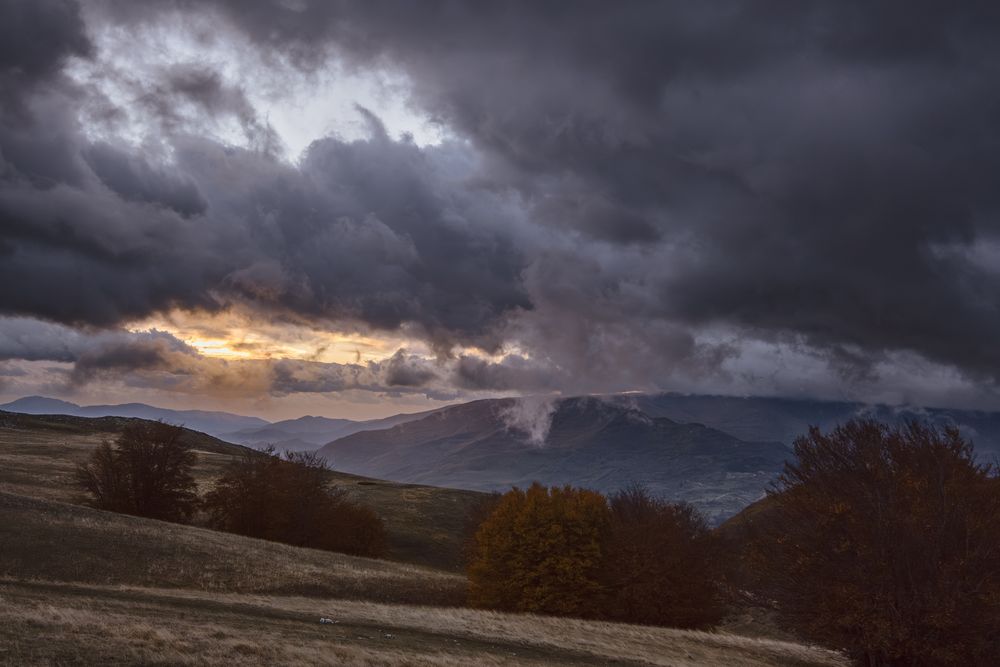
[(84, 586)]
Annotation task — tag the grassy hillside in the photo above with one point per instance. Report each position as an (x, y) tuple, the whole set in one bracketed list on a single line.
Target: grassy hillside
[(45, 623), (81, 586), (47, 540), (39, 452)]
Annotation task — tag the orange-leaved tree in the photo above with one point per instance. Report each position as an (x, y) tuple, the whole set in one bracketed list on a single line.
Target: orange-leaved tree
[(884, 542), (541, 551)]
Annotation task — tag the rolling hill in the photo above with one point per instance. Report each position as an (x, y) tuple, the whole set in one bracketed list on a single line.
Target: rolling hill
[(82, 586), (213, 423), (493, 444), (38, 454)]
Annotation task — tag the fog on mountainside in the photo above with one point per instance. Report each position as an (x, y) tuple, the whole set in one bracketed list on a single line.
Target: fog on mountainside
[(588, 442)]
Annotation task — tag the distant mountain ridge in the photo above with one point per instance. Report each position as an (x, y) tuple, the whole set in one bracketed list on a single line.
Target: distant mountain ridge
[(301, 434), (492, 444), (784, 419), (213, 423), (717, 452), (309, 433)]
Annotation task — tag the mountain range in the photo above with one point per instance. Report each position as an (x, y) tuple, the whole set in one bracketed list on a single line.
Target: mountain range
[(302, 434), (717, 452), (213, 423), (492, 444), (310, 433), (784, 419)]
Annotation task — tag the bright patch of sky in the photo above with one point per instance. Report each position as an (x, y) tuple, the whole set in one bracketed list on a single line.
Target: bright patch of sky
[(299, 107)]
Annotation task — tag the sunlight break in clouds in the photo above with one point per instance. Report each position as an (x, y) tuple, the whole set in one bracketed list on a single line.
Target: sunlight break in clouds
[(262, 91), (244, 335)]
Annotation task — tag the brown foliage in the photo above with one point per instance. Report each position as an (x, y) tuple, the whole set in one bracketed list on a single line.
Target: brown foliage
[(287, 500), (570, 552), (146, 473), (884, 542), (540, 551), (662, 563)]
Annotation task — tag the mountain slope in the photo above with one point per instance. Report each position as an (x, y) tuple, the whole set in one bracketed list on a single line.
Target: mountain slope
[(308, 433), (63, 428), (38, 454), (213, 423), (496, 443), (784, 419)]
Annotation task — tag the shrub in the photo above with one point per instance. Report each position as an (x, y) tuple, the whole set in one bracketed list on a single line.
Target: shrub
[(288, 500), (884, 542), (147, 472), (662, 563), (541, 551)]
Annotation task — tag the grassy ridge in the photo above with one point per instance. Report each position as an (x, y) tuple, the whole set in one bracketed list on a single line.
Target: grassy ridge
[(39, 452), (43, 539), (69, 425)]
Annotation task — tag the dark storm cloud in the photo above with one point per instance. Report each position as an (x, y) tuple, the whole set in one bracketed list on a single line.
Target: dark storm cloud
[(37, 35), (376, 231), (205, 89), (403, 370), (512, 373), (123, 354), (809, 159), (636, 175), (136, 180)]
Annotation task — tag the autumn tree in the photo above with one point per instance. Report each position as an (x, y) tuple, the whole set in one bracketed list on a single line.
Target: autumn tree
[(541, 551), (288, 499), (884, 542), (146, 472), (662, 563)]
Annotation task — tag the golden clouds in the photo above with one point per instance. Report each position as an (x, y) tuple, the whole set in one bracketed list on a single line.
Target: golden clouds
[(235, 335)]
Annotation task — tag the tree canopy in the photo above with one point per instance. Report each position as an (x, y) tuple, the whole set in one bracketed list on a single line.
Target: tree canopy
[(289, 500), (146, 472), (884, 541), (573, 552)]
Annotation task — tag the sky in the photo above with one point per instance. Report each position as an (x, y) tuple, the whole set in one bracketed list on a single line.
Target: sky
[(353, 209)]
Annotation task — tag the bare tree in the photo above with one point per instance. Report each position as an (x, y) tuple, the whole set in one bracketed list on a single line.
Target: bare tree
[(288, 499), (146, 472)]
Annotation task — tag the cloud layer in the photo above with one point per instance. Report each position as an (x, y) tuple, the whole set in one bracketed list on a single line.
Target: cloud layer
[(648, 196)]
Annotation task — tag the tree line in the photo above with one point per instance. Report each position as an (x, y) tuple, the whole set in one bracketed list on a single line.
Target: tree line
[(573, 552), (881, 542), (147, 471)]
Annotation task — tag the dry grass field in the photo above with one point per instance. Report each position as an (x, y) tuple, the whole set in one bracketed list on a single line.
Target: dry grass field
[(80, 586), (74, 624), (47, 540), (38, 454)]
